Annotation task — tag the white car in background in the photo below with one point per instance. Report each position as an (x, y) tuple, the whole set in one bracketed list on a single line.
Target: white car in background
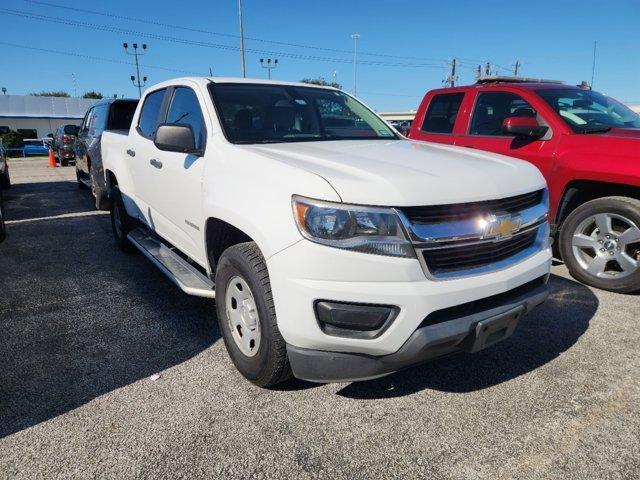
[(335, 249)]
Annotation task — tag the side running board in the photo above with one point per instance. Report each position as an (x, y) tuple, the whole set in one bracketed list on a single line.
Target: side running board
[(188, 278)]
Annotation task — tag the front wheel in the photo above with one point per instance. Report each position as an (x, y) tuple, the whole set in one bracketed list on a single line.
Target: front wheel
[(121, 222), (600, 244), (247, 317)]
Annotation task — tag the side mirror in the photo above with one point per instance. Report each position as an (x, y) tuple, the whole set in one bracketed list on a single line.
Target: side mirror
[(524, 127), (176, 137), (76, 130), (50, 135)]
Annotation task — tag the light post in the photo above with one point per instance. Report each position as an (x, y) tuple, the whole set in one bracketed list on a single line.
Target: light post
[(355, 37), (244, 72), (4, 90), (136, 79), (268, 65)]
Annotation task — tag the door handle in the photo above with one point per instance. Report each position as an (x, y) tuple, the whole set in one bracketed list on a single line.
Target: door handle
[(155, 163), (131, 153)]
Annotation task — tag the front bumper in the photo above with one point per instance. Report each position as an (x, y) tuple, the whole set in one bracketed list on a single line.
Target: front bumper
[(470, 327)]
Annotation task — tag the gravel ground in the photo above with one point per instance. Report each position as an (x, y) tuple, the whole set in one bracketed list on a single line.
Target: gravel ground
[(84, 329)]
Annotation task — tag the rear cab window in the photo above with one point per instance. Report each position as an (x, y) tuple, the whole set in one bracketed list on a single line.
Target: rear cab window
[(442, 113), (121, 115)]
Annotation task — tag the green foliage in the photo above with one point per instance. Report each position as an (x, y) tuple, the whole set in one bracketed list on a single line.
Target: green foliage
[(92, 94), (58, 93), (321, 81), (12, 140)]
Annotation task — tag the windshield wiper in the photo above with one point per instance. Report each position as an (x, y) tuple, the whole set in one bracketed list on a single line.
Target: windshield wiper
[(597, 130)]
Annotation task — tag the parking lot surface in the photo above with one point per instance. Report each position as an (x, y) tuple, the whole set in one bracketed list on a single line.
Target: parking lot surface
[(84, 329)]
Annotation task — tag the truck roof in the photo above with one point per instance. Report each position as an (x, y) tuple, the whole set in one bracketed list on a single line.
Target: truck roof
[(523, 85), (237, 80)]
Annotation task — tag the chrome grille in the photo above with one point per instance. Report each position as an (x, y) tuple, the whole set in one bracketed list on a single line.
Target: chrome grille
[(461, 211), (454, 258), (454, 241)]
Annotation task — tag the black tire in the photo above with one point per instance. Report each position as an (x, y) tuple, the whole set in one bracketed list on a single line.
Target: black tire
[(627, 208), (100, 195), (81, 184), (270, 364), (3, 231), (121, 222), (5, 180)]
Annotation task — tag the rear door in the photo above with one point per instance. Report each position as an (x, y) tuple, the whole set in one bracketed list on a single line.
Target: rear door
[(440, 119), (140, 151), (178, 200), (484, 129)]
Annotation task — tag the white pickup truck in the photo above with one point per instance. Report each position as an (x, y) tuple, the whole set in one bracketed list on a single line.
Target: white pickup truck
[(335, 248)]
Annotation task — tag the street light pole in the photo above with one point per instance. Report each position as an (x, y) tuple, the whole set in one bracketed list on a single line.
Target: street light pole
[(355, 37), (268, 65), (136, 80), (244, 71)]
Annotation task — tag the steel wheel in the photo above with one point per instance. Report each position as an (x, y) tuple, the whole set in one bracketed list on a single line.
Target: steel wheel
[(242, 315), (607, 246)]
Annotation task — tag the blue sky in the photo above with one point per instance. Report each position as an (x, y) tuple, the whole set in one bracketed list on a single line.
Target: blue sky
[(552, 39)]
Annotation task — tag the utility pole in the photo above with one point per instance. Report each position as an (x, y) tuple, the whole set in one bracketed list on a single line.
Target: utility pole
[(210, 72), (487, 69), (355, 37), (242, 66), (593, 65), (516, 68), (75, 84), (478, 72), (268, 65), (136, 80), (452, 78)]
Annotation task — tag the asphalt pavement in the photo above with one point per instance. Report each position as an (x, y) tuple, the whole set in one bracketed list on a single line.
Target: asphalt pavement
[(107, 370)]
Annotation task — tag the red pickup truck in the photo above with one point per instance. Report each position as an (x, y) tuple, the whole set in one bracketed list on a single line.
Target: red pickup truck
[(587, 146)]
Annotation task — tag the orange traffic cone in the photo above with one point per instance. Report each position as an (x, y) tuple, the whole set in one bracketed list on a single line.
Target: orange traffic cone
[(52, 159)]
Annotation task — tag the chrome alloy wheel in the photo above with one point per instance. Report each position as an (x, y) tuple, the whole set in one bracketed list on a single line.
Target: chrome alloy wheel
[(607, 246), (242, 315)]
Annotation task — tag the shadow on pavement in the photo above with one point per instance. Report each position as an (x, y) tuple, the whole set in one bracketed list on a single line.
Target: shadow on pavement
[(79, 318), (541, 336)]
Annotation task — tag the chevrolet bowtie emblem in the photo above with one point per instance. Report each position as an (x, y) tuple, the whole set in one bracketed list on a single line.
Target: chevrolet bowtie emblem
[(500, 226)]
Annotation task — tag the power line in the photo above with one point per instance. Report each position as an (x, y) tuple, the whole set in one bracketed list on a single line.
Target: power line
[(228, 35), (156, 67), (94, 58), (178, 40)]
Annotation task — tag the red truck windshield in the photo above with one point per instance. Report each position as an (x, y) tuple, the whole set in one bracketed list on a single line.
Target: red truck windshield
[(586, 111)]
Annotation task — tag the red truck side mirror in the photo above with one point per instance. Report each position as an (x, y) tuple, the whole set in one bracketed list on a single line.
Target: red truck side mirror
[(524, 127)]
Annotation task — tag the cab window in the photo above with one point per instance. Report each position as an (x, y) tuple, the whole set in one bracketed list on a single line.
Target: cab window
[(185, 109), (150, 113), (493, 107), (442, 113)]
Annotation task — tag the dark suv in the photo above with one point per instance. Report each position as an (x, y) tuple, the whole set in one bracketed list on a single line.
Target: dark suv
[(63, 143), (111, 114)]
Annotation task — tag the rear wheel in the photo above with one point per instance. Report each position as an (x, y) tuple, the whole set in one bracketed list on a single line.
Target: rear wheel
[(247, 317), (3, 233), (5, 180), (81, 184), (121, 222), (600, 244), (100, 195)]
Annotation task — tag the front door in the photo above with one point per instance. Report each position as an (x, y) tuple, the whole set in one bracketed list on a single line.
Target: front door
[(485, 130), (177, 198)]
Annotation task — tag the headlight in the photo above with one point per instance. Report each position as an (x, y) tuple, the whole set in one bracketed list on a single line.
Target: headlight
[(350, 227)]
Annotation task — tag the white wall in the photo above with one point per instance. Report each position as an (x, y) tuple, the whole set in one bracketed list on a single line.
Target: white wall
[(44, 126)]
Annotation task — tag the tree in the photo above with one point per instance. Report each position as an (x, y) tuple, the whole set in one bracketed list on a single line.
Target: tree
[(92, 94), (12, 139), (58, 93), (321, 81)]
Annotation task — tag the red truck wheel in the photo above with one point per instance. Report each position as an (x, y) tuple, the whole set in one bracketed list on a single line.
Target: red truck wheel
[(600, 244)]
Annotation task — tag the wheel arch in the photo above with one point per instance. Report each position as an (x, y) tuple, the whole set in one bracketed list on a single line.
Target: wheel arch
[(220, 235), (577, 192)]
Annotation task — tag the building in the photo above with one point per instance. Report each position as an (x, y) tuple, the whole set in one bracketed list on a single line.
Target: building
[(398, 116), (36, 117)]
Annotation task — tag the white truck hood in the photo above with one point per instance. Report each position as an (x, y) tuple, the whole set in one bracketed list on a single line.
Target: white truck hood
[(405, 173)]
